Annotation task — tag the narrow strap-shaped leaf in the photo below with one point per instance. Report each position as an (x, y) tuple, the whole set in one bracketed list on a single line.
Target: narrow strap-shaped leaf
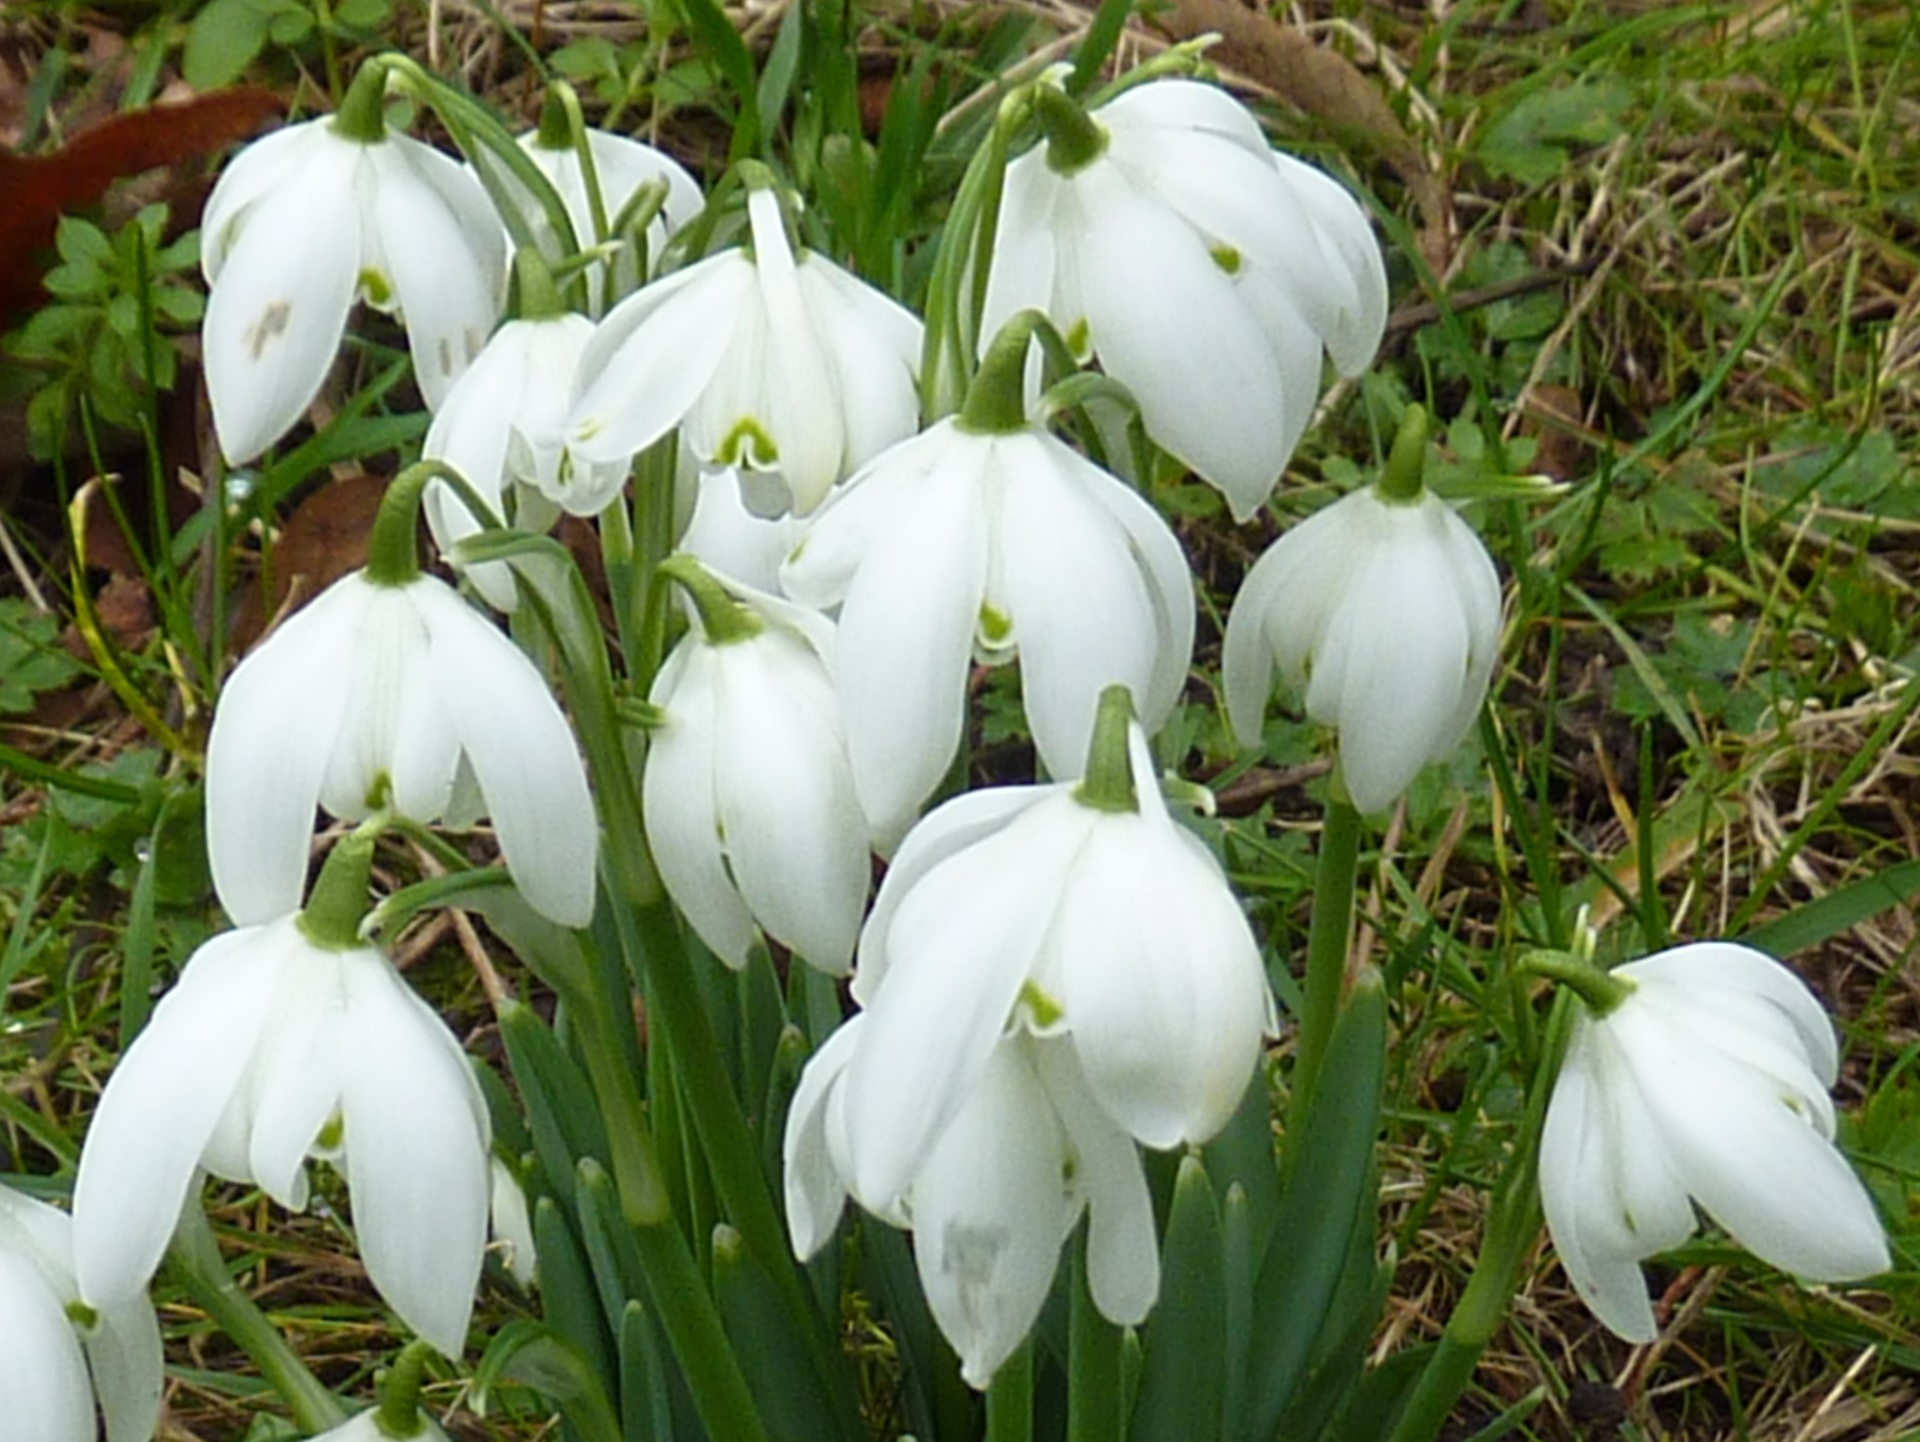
[(561, 1112), (1326, 1197), (778, 1369), (646, 1410), (569, 1297), (1183, 1384), (539, 1357)]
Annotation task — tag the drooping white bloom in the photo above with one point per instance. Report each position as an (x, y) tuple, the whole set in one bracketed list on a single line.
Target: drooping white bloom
[(1206, 271), (749, 799), (960, 544), (1032, 908), (304, 222), (773, 362), (621, 166), (51, 1367), (1386, 616), (272, 1049), (1000, 1189), (405, 689), (1707, 1084), (501, 427)]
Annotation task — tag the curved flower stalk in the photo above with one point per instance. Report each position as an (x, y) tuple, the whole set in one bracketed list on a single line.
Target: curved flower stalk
[(1706, 1081), (315, 216), (774, 363), (1206, 271), (749, 800), (622, 165), (275, 1047), (1384, 613), (998, 1192), (401, 695), (962, 544), (1079, 910), (52, 1367), (501, 429)]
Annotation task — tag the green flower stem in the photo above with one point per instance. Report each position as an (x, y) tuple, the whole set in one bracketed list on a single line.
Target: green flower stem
[(724, 619), (1512, 1227), (1010, 1398), (362, 115), (494, 153), (1074, 138), (536, 296), (1108, 781), (569, 100), (996, 401), (399, 1414), (1401, 482), (653, 543), (957, 287), (1095, 1393), (393, 551), (1327, 941), (339, 903), (1600, 990), (196, 1264)]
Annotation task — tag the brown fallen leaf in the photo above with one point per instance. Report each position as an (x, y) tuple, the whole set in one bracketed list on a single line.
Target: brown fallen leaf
[(324, 538), (1327, 86)]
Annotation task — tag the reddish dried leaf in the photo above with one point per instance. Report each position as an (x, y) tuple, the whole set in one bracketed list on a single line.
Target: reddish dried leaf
[(36, 190)]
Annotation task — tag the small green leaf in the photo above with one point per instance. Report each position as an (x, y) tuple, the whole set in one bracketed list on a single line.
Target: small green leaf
[(222, 41)]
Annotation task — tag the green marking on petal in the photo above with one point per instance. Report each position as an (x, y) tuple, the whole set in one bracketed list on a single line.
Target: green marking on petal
[(996, 627), (81, 1315), (588, 429), (1043, 1009), (377, 289), (1079, 339), (1226, 257), (331, 1135), (747, 444)]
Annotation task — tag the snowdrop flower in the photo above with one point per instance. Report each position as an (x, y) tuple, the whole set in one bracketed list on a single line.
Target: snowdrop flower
[(1078, 908), (1001, 1188), (404, 693), (1205, 271), (988, 538), (622, 165), (1383, 610), (1704, 1080), (501, 429), (279, 1043), (773, 363), (52, 1365), (315, 216), (749, 800)]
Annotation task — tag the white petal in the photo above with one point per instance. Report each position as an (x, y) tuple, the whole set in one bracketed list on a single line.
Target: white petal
[(1082, 614), (815, 1196), (681, 806), (654, 354), (960, 945), (1177, 104), (1345, 233), (1166, 322), (806, 422), (1022, 276), (906, 635), (42, 1374), (125, 1359), (1162, 982), (990, 1210), (522, 751), (287, 157), (275, 318), (1704, 968), (873, 348), (951, 827), (442, 242), (1576, 1192), (875, 503), (294, 1083), (416, 1150), (791, 823), (161, 1105), (1751, 1158), (1123, 1249)]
